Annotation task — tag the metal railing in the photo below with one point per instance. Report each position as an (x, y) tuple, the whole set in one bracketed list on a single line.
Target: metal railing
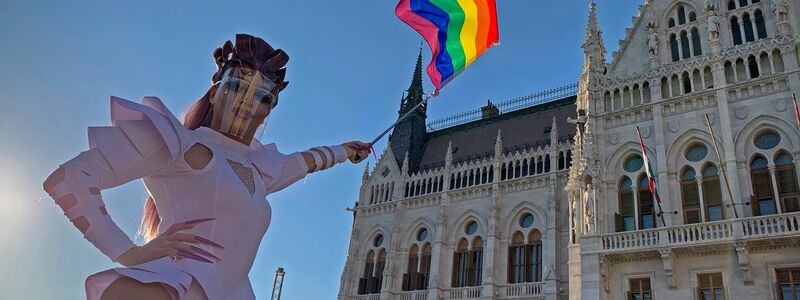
[(506, 106)]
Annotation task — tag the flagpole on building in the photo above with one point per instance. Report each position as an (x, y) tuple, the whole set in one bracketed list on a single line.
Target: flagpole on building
[(796, 111), (651, 177), (722, 167)]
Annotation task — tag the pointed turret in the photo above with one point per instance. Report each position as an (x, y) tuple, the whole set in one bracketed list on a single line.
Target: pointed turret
[(409, 135), (365, 176), (594, 60), (593, 41)]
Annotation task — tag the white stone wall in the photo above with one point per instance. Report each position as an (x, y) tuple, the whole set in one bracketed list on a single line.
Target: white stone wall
[(591, 267)]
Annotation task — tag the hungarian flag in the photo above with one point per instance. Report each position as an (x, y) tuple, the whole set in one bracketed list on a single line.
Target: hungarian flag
[(651, 177), (796, 112)]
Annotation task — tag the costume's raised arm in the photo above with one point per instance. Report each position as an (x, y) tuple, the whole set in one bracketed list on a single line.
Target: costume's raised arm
[(142, 143), (280, 170)]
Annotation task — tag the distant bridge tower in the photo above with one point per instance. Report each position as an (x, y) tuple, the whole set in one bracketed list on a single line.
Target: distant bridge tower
[(277, 285)]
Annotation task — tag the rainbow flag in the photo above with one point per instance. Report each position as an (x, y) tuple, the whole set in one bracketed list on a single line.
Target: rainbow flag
[(458, 32)]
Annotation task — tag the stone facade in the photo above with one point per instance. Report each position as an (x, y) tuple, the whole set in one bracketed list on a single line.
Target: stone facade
[(448, 224)]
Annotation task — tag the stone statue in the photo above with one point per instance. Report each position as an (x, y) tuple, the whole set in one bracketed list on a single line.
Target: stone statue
[(781, 9), (652, 42), (713, 25), (588, 207)]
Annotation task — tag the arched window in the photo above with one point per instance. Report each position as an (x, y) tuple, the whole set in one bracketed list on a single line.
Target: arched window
[(626, 97), (697, 81), (371, 281), (647, 214), (547, 163), (460, 264), (534, 253), (708, 78), (777, 61), (731, 5), (685, 45), (741, 70), (671, 22), (765, 63), (424, 267), (729, 76), (380, 264), (690, 197), (698, 50), (760, 27), (607, 102), (692, 16), (561, 161), (539, 165), (673, 44), (476, 262), (369, 267), (646, 97), (712, 194), (676, 85), (748, 28), (409, 279), (569, 158), (681, 15), (763, 198), (687, 83), (626, 218), (516, 258), (786, 178), (736, 31), (752, 66)]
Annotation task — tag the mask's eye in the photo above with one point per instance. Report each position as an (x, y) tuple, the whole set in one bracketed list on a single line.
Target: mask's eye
[(231, 87)]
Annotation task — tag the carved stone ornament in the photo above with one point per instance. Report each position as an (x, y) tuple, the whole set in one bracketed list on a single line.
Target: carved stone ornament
[(741, 112), (674, 126), (780, 104), (613, 138)]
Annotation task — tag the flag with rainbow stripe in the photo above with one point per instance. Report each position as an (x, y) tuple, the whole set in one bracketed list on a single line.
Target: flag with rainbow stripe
[(457, 31)]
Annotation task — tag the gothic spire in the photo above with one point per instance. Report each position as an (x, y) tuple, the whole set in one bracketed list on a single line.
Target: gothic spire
[(594, 36), (414, 94), (410, 133), (416, 80), (594, 60)]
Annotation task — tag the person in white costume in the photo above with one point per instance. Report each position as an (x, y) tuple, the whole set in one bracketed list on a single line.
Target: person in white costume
[(207, 178)]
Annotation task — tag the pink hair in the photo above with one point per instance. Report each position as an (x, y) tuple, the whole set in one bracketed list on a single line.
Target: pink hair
[(198, 115)]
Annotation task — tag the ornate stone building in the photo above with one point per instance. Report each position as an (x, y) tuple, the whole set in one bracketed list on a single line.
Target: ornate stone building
[(546, 196)]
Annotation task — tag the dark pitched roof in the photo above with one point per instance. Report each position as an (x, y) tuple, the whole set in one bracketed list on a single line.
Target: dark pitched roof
[(521, 129)]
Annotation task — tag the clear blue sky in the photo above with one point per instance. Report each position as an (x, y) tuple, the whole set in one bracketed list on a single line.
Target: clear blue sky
[(350, 62)]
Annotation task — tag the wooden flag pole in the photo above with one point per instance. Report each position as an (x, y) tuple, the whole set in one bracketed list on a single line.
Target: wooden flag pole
[(722, 167)]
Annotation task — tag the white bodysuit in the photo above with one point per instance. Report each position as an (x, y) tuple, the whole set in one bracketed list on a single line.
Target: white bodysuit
[(148, 142)]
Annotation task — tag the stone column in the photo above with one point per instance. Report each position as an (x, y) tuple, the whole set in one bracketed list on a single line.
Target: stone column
[(723, 130), (590, 285), (668, 200), (439, 277), (390, 270)]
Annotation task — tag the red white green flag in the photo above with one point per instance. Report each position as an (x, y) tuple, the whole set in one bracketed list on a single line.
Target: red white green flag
[(651, 176)]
